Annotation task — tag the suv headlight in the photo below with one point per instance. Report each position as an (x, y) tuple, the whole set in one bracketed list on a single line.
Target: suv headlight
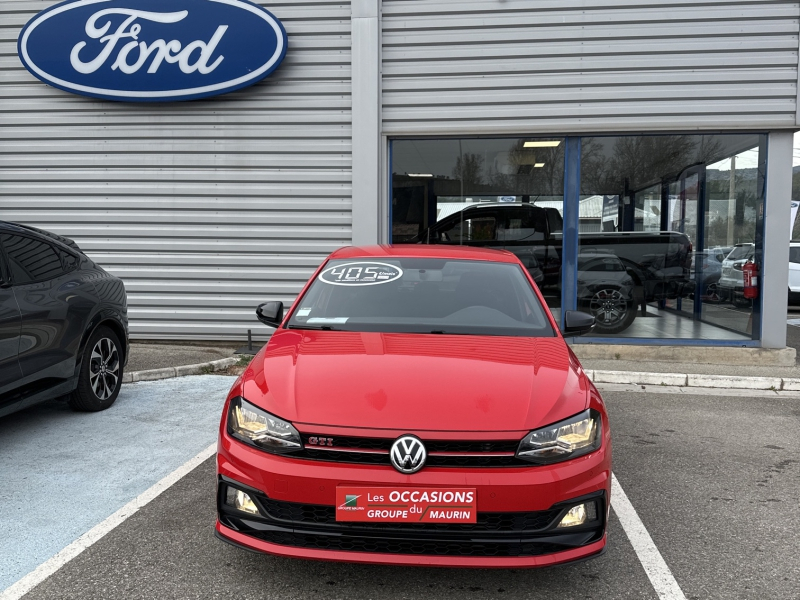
[(258, 428), (561, 441)]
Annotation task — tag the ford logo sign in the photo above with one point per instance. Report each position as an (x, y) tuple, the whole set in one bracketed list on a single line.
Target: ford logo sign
[(152, 50)]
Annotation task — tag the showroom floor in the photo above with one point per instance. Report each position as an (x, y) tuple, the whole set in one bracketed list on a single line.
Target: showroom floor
[(668, 324)]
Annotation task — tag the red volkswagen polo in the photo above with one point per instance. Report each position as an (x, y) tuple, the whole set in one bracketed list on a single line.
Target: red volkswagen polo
[(418, 405)]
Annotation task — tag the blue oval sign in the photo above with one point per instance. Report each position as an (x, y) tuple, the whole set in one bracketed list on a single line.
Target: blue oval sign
[(152, 50)]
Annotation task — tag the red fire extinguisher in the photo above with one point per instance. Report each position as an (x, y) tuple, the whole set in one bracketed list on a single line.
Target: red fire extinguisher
[(750, 275)]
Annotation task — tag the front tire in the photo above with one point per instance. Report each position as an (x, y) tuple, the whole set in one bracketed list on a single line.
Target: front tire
[(100, 378)]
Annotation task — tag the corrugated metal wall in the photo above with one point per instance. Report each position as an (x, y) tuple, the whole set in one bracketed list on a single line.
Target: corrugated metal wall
[(518, 66), (204, 208)]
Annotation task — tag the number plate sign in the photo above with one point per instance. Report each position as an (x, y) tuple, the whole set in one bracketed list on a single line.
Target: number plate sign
[(406, 505)]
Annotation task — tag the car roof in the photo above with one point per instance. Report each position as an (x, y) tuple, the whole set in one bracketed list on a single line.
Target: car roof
[(424, 251), (11, 226)]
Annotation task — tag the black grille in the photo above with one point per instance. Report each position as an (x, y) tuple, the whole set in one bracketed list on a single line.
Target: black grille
[(292, 512), (441, 453), (472, 447), (475, 461), (494, 535), (353, 457)]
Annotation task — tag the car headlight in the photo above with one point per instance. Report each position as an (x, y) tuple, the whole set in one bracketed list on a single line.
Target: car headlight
[(567, 439), (258, 428)]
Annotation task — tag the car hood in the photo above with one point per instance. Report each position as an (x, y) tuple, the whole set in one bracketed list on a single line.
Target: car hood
[(415, 382)]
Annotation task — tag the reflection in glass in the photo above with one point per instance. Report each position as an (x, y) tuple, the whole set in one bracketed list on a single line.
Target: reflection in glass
[(666, 223), (495, 193), (682, 214)]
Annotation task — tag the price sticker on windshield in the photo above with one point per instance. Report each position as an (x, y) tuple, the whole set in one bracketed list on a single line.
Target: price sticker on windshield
[(361, 273)]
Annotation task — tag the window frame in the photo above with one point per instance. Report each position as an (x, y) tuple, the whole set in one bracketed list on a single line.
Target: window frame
[(5, 272), (65, 251)]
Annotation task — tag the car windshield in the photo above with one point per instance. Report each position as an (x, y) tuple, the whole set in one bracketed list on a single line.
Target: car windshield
[(422, 295)]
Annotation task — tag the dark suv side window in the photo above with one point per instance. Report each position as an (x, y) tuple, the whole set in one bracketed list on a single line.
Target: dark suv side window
[(524, 225), (30, 260), (481, 228)]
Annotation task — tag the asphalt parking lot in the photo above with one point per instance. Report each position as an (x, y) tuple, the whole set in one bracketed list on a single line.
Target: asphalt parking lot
[(714, 479)]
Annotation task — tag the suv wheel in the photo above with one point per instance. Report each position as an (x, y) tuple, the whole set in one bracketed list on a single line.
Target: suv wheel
[(612, 311), (100, 377)]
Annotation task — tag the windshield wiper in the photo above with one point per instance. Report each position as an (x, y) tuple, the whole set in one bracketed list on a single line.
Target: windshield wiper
[(314, 327)]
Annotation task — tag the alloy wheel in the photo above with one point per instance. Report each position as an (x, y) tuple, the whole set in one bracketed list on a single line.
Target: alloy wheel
[(712, 294), (608, 306), (104, 368)]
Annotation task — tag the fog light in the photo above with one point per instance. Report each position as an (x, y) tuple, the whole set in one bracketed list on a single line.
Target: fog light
[(578, 515), (240, 501)]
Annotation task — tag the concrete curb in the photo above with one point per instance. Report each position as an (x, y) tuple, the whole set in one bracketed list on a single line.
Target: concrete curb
[(763, 357), (170, 372), (598, 376), (697, 381)]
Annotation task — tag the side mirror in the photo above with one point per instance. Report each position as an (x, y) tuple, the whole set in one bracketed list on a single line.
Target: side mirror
[(577, 323), (270, 313)]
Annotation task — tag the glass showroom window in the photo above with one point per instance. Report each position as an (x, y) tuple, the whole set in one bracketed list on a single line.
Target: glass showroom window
[(666, 225), (493, 192)]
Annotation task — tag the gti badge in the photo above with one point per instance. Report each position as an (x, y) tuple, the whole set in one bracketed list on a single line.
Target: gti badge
[(408, 454), (320, 441), (152, 50)]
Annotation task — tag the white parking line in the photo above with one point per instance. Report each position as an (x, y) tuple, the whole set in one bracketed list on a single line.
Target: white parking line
[(47, 568), (657, 570)]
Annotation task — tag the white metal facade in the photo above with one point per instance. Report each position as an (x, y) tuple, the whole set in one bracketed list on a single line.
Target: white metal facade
[(522, 66), (207, 208)]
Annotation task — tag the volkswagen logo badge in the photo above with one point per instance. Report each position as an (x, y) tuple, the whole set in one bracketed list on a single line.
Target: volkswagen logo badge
[(408, 454)]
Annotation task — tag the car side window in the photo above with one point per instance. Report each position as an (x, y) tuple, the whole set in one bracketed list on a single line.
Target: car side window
[(794, 255), (30, 260), (524, 226), (475, 229)]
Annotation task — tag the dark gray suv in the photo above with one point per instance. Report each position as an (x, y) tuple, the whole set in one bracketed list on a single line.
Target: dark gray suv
[(63, 323)]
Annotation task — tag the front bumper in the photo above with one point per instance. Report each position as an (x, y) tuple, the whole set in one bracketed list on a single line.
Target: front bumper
[(518, 510)]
